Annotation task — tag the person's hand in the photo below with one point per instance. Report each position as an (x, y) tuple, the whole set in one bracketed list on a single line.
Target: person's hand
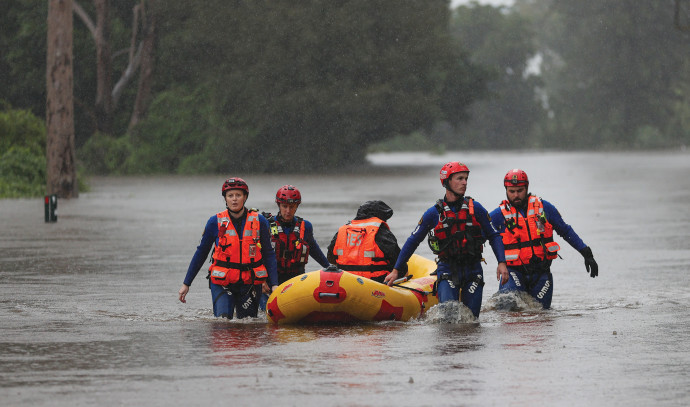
[(265, 289), (391, 277), (590, 264), (273, 288), (502, 273), (183, 293)]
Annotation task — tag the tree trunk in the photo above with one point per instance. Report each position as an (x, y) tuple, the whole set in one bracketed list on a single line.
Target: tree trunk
[(143, 100), (60, 155)]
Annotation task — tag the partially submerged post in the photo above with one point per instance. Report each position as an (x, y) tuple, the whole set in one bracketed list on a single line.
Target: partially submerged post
[(51, 208)]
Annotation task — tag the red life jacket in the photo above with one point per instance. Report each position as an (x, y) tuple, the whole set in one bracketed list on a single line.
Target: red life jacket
[(292, 251), (527, 236), (457, 236), (238, 258), (356, 250)]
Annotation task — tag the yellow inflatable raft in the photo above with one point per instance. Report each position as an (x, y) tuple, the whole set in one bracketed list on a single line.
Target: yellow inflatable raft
[(333, 295)]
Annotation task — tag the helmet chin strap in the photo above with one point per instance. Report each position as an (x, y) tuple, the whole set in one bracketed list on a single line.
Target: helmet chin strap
[(457, 196), (235, 212)]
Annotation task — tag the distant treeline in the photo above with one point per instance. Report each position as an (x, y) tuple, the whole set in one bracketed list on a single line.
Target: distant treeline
[(280, 85)]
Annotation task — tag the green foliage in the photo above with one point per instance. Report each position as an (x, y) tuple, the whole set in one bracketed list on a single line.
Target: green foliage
[(22, 173), (412, 142), (22, 159), (23, 55), (179, 123), (104, 154), (309, 85), (22, 129), (503, 43), (612, 69)]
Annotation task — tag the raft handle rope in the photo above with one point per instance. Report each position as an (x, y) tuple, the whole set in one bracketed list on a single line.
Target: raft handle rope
[(413, 289)]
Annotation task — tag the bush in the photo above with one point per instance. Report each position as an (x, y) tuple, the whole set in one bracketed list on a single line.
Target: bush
[(22, 173), (103, 154), (22, 128), (23, 160)]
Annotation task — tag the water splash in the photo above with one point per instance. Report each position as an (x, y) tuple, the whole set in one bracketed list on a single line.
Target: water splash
[(514, 301), (450, 312)]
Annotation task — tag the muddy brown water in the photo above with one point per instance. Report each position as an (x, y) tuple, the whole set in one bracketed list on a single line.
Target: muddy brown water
[(89, 312)]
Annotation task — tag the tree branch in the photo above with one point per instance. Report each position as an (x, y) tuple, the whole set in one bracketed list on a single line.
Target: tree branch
[(127, 76), (84, 17), (134, 58)]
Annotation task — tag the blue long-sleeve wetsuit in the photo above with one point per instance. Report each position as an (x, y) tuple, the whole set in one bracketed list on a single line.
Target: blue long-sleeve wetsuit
[(224, 301), (537, 280), (471, 277)]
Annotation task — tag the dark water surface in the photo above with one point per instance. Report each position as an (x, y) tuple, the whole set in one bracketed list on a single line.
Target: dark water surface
[(89, 312)]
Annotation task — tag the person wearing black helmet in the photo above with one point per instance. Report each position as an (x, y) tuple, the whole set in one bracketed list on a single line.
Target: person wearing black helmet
[(365, 245), (527, 223), (456, 227), (243, 258)]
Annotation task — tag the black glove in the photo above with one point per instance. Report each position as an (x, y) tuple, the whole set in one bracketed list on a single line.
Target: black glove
[(590, 263)]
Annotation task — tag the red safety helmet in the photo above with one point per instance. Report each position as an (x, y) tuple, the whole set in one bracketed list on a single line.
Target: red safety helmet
[(450, 169), (516, 178), (234, 183), (288, 194)]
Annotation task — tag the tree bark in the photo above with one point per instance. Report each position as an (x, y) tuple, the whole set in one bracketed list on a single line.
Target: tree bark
[(60, 149)]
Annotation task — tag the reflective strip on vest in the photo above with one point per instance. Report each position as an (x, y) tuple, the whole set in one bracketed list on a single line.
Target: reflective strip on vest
[(248, 233), (231, 232), (369, 253), (339, 252), (512, 257), (532, 200), (368, 224)]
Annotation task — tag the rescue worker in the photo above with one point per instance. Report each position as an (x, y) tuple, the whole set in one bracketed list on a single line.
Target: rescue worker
[(292, 238), (456, 227), (242, 259), (365, 245), (527, 223)]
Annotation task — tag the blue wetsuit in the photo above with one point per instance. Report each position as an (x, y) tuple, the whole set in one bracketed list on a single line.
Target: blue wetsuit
[(239, 297), (536, 278), (471, 276)]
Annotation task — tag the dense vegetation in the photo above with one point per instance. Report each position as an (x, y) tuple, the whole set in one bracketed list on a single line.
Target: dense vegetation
[(269, 85), (22, 154)]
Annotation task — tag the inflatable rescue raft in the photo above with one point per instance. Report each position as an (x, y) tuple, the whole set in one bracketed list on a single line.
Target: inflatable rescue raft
[(333, 295)]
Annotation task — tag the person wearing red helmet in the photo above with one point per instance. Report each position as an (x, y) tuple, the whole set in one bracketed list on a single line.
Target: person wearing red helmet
[(292, 238), (456, 227), (243, 258), (527, 223)]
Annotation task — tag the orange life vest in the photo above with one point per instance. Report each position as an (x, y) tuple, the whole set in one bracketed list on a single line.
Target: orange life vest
[(527, 236), (356, 250), (238, 258), (457, 236), (292, 251)]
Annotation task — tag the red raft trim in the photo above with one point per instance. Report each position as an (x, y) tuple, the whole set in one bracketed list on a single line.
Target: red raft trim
[(387, 312), (273, 311)]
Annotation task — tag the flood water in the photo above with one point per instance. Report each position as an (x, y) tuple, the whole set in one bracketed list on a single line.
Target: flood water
[(89, 312)]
